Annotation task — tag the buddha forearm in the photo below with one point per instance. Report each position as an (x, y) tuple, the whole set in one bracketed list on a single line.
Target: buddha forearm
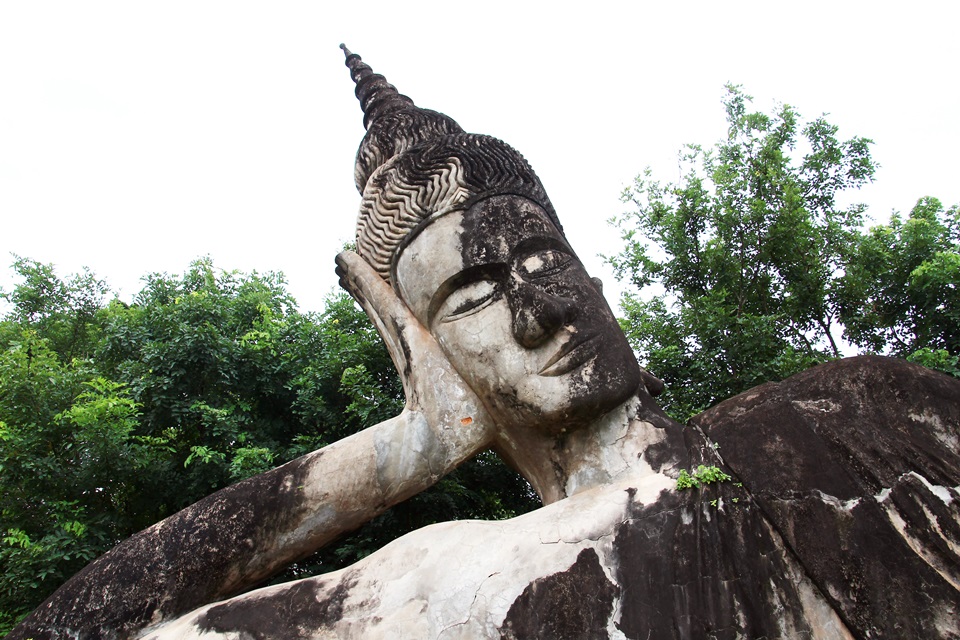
[(241, 535)]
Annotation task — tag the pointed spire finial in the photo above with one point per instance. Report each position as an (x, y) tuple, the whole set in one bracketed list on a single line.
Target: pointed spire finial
[(377, 96), (393, 123), (425, 165)]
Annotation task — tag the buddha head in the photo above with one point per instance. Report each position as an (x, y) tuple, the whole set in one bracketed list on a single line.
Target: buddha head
[(462, 229)]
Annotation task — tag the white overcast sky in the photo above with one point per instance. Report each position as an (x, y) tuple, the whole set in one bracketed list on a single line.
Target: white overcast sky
[(137, 136)]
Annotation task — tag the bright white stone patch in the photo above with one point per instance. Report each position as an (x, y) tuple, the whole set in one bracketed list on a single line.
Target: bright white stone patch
[(940, 431), (941, 492), (845, 505), (823, 406)]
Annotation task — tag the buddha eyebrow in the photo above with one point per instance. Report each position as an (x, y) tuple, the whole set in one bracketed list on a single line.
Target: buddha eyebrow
[(467, 276), (537, 243)]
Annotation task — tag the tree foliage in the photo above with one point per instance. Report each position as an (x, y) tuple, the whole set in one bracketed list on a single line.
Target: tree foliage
[(746, 248), (752, 266), (901, 289), (114, 416)]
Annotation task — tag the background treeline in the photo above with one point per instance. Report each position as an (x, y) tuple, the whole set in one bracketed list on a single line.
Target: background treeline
[(756, 265), (753, 266)]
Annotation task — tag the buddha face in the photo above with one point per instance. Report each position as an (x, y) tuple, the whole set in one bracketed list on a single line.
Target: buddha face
[(517, 315)]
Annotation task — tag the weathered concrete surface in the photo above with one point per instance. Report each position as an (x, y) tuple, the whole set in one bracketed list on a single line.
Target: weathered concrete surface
[(857, 465), (236, 538), (778, 557), (634, 559), (522, 322)]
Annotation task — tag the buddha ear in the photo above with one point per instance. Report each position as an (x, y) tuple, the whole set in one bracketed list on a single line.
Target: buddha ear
[(389, 314), (598, 283)]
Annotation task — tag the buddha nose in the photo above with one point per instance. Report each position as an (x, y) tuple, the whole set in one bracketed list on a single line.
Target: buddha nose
[(537, 314)]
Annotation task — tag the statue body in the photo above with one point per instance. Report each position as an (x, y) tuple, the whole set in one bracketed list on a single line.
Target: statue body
[(827, 530), (589, 566), (841, 520)]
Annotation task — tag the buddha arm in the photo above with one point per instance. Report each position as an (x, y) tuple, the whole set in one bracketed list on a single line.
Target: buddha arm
[(243, 534)]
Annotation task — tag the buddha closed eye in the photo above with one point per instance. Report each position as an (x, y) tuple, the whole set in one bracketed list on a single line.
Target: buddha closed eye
[(544, 264), (473, 289), (468, 299)]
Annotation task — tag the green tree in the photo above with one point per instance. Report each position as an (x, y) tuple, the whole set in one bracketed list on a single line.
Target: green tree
[(67, 466), (66, 312), (745, 252), (218, 362), (901, 288), (51, 522)]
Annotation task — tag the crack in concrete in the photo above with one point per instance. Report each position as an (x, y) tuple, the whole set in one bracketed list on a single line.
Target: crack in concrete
[(470, 610)]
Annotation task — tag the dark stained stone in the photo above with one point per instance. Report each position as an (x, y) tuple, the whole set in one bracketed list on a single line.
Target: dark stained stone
[(696, 564), (295, 611), (856, 464), (843, 516), (575, 603)]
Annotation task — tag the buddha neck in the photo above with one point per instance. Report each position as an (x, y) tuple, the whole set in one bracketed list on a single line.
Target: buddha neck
[(606, 451)]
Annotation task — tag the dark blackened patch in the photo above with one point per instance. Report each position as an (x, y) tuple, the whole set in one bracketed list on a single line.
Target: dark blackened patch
[(297, 611), (559, 472), (688, 569), (865, 421), (818, 450), (398, 329), (932, 523), (575, 603), (178, 564), (674, 449)]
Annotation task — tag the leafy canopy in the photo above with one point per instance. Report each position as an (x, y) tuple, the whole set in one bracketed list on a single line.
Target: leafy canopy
[(901, 289), (751, 267), (743, 255)]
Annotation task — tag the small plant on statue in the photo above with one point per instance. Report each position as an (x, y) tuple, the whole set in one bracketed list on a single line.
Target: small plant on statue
[(703, 474)]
